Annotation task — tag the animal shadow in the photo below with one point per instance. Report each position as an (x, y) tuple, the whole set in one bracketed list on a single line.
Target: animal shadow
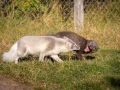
[(49, 59), (28, 58), (115, 82), (118, 52), (89, 57)]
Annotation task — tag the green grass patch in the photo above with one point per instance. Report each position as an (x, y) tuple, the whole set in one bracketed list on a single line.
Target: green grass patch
[(101, 71), (97, 74)]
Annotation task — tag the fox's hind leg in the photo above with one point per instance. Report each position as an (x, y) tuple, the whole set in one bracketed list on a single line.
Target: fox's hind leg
[(21, 52), (56, 58)]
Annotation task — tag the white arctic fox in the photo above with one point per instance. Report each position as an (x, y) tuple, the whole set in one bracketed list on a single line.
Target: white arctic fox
[(41, 45)]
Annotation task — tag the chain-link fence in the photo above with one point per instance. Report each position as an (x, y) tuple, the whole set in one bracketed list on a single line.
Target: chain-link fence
[(93, 9), (96, 12), (101, 12)]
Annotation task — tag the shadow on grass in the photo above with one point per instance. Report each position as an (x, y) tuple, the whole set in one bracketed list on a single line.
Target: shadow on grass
[(114, 81), (28, 58), (33, 58), (49, 59), (118, 52), (89, 57)]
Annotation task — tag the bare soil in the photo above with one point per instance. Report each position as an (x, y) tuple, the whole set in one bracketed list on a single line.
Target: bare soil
[(7, 84)]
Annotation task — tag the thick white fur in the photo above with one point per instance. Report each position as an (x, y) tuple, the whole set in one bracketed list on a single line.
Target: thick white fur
[(11, 55), (41, 45)]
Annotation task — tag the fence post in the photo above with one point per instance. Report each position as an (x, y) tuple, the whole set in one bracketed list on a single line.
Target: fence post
[(78, 14)]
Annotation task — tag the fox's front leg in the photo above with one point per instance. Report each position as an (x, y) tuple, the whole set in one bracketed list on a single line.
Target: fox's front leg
[(16, 60), (56, 58), (41, 57)]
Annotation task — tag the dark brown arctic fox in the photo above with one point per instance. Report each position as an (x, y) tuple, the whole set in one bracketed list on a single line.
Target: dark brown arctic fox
[(86, 46)]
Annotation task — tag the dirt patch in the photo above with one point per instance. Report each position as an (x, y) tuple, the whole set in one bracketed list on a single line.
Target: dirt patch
[(7, 84)]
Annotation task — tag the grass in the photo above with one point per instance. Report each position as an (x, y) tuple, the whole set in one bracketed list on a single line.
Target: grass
[(99, 73)]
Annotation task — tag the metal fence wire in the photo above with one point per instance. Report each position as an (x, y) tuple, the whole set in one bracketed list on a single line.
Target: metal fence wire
[(95, 11), (100, 9)]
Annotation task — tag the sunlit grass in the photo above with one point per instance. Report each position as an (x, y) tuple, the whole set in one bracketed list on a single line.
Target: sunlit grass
[(98, 73), (90, 74)]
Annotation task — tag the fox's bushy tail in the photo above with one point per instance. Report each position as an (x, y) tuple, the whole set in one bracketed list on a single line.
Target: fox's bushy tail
[(11, 55)]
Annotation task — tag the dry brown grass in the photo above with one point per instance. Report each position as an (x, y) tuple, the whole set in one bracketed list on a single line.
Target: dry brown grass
[(107, 37)]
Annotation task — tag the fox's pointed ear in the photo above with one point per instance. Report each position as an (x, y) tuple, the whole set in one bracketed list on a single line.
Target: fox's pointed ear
[(66, 38)]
